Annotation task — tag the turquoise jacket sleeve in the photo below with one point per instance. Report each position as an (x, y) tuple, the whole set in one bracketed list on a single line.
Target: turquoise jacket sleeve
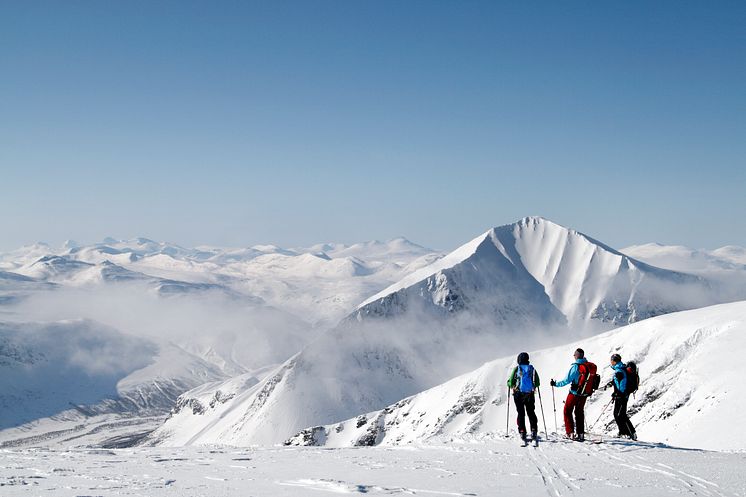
[(620, 377), (572, 376)]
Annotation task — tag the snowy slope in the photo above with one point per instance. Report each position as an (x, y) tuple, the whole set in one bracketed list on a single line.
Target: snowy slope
[(681, 258), (732, 253), (81, 369), (336, 374), (515, 286), (490, 468), (691, 394), (15, 287)]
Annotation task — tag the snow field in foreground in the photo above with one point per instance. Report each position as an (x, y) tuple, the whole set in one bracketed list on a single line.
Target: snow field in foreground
[(493, 467)]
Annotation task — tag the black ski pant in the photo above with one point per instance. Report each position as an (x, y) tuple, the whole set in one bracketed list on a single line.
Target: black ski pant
[(526, 404), (620, 416)]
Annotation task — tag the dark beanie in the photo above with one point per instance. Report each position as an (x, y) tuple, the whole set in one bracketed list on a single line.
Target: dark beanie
[(523, 358), (581, 352)]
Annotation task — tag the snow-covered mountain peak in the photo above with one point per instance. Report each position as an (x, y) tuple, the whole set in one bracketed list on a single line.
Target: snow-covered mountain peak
[(537, 229), (727, 262), (273, 249), (401, 242), (70, 244), (584, 278), (733, 252), (457, 256)]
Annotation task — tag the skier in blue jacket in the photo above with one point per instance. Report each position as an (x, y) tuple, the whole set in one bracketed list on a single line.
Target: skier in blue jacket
[(523, 381), (621, 397)]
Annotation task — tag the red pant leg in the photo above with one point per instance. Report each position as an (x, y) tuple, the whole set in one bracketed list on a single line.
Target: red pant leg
[(569, 406), (580, 414)]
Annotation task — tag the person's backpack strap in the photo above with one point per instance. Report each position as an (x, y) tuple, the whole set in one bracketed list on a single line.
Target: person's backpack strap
[(573, 385), (582, 371)]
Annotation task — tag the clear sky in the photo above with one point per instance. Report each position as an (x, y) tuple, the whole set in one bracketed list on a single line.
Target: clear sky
[(237, 123)]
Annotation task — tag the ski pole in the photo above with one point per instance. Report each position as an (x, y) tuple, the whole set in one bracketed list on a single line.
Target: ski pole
[(507, 418), (554, 406), (542, 412), (602, 413)]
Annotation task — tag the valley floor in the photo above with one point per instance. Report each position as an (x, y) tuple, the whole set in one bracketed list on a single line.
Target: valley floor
[(487, 468)]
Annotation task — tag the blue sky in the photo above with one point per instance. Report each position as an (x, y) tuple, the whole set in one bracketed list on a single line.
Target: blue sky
[(238, 123)]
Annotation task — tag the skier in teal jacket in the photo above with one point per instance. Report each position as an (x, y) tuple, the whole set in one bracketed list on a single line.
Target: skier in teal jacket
[(621, 397)]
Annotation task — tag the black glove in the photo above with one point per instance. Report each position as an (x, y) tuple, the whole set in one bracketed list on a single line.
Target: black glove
[(552, 383)]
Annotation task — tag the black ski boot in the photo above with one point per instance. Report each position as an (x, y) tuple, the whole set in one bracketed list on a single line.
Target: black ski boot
[(535, 438), (524, 438), (580, 437)]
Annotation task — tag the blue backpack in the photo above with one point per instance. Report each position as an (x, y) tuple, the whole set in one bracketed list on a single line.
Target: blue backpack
[(525, 378)]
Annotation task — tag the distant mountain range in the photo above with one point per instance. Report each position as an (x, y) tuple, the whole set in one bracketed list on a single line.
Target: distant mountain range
[(236, 312)]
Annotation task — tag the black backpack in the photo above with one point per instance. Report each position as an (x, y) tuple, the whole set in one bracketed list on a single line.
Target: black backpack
[(633, 378)]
